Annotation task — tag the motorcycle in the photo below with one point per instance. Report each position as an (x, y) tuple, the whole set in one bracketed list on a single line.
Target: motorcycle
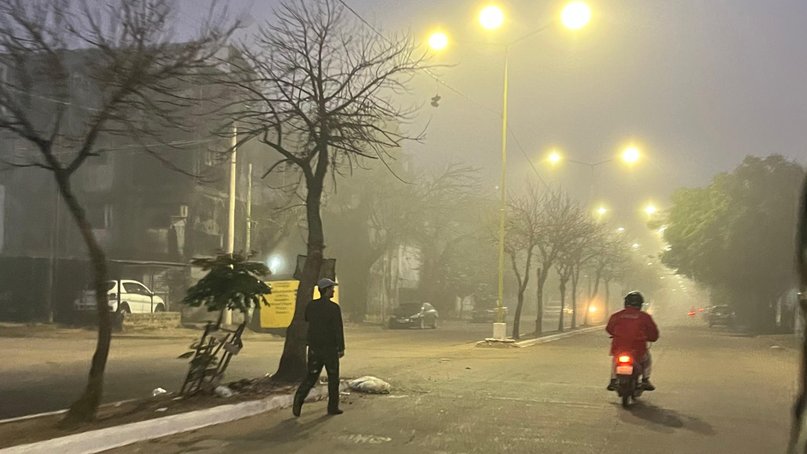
[(628, 371)]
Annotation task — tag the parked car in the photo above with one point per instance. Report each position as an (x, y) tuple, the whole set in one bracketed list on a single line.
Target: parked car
[(414, 315), (720, 315), (125, 296), (485, 315)]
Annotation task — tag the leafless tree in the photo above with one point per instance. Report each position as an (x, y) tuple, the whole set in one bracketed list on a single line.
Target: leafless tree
[(561, 217), (525, 220), (581, 235), (320, 92), (126, 51), (608, 256)]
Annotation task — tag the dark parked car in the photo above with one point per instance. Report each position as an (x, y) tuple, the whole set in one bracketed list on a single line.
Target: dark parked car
[(720, 315), (414, 315), (485, 315)]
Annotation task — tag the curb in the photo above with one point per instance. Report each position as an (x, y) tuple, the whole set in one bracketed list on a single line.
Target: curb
[(118, 436), (511, 343), (554, 337)]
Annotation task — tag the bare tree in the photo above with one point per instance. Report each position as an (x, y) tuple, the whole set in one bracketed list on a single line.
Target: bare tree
[(524, 228), (127, 53), (565, 269), (608, 256), (579, 235), (560, 219), (319, 90)]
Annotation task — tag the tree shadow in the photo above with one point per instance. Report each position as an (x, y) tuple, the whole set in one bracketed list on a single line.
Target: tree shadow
[(664, 420)]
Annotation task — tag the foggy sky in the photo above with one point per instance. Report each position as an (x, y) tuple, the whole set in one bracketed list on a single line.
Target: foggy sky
[(697, 84)]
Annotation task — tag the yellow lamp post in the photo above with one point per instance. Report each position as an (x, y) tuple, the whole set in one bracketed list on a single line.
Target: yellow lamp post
[(491, 18), (574, 16)]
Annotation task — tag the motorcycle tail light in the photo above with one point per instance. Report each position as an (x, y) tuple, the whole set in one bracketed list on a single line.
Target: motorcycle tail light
[(624, 359)]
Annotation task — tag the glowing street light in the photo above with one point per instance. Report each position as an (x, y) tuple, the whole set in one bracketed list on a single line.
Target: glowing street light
[(650, 209), (631, 155), (438, 41), (635, 246), (601, 211), (554, 158), (491, 17), (575, 15), (620, 230)]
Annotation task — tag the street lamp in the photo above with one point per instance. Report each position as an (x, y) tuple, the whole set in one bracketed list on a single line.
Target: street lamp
[(601, 211), (491, 18), (438, 41), (631, 155), (576, 15), (554, 158), (650, 209)]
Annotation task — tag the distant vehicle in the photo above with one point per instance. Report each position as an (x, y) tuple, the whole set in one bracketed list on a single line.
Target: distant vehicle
[(125, 296), (415, 315), (720, 315), (485, 315)]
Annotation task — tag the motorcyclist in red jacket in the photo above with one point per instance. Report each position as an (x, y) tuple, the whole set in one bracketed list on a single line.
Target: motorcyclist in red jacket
[(631, 330)]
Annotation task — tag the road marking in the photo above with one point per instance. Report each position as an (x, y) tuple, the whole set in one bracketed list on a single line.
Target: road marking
[(361, 439)]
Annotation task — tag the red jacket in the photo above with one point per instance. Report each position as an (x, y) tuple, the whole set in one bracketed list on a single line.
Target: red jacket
[(631, 329)]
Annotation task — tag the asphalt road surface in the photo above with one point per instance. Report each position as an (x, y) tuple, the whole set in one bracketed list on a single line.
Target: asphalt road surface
[(46, 371), (717, 393)]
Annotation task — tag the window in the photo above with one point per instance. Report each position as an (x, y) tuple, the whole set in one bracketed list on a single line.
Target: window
[(131, 287)]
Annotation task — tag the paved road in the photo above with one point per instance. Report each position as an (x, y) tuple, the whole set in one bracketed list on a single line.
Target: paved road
[(718, 393), (46, 373)]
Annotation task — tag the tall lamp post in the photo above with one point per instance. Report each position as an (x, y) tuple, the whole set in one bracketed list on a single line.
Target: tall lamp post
[(574, 16)]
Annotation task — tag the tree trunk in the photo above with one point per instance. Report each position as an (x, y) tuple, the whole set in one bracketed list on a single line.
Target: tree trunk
[(562, 305), (85, 407), (292, 362), (522, 287), (575, 279), (517, 320), (608, 309), (542, 274)]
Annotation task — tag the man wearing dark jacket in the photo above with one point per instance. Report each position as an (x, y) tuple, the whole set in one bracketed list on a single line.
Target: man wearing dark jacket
[(326, 344)]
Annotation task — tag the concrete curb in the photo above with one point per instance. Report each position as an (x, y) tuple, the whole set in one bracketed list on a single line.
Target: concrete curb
[(117, 436), (554, 337)]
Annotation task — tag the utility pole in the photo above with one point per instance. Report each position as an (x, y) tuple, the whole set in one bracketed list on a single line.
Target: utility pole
[(228, 318), (248, 240)]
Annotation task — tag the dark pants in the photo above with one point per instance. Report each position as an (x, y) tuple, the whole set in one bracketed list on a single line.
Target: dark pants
[(316, 360)]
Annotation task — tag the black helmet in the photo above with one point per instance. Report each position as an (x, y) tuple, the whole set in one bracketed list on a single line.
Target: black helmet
[(634, 299)]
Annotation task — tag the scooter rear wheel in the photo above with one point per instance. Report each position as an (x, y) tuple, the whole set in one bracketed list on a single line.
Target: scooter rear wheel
[(626, 401)]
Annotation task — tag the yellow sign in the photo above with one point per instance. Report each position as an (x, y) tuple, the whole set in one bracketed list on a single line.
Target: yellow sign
[(280, 312)]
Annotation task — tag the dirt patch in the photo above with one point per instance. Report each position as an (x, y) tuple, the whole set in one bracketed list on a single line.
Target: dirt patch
[(46, 427)]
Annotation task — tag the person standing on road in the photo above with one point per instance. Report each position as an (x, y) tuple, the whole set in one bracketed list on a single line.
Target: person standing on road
[(326, 344)]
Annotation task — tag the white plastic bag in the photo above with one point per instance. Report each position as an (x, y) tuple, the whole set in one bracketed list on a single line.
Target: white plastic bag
[(370, 385), (223, 391)]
